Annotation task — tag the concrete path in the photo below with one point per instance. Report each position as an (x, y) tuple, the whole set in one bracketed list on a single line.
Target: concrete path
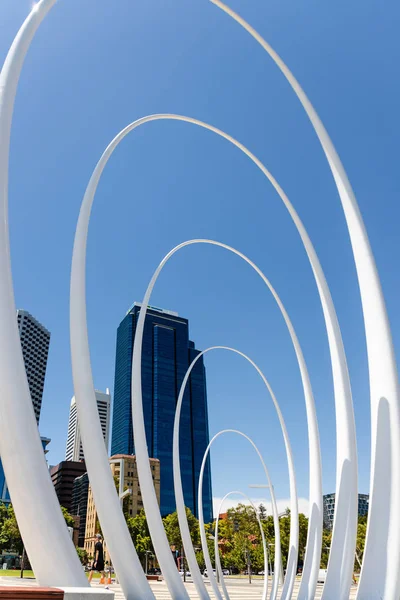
[(239, 589)]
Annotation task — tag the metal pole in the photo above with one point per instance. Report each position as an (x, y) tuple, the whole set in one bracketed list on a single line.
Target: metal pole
[(23, 562), (146, 562), (121, 480)]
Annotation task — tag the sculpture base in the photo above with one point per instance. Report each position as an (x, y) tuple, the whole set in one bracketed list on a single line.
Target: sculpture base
[(87, 594), (22, 592)]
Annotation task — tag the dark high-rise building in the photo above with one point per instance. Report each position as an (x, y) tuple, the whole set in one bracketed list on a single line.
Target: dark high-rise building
[(166, 355), (80, 493), (35, 340), (63, 476)]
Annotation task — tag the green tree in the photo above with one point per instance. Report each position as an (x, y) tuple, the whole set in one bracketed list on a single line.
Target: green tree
[(10, 537), (83, 556), (172, 529), (262, 512), (140, 535), (326, 546), (360, 543), (68, 519)]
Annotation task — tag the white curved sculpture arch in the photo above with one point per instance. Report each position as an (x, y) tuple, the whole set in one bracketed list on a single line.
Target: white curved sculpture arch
[(207, 560), (343, 402), (40, 520), (216, 548), (380, 573), (142, 457), (180, 503)]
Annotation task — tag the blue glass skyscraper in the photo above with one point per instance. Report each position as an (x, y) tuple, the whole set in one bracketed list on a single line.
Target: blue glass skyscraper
[(167, 353)]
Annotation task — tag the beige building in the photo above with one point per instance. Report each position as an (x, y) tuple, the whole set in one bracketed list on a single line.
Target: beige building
[(127, 464)]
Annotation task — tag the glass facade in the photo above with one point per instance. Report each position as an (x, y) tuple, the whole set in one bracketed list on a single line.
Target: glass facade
[(167, 353), (329, 508)]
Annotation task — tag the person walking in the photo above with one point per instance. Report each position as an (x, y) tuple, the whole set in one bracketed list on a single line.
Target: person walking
[(98, 562)]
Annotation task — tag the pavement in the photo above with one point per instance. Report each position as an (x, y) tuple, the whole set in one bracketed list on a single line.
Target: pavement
[(238, 589)]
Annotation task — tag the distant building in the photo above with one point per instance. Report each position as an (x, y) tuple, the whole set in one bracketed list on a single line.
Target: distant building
[(127, 464), (63, 476), (35, 340), (74, 449), (79, 502), (329, 508), (167, 354)]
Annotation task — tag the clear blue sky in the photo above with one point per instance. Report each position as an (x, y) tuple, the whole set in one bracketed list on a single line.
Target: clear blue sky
[(97, 65)]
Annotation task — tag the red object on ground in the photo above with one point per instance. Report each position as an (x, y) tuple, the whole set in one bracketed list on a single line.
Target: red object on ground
[(30, 593)]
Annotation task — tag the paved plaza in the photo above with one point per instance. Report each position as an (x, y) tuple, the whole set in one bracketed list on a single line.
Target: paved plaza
[(239, 589)]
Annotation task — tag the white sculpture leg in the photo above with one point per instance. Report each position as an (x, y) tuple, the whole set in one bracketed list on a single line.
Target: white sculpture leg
[(180, 503), (207, 560), (42, 525), (216, 547), (380, 574)]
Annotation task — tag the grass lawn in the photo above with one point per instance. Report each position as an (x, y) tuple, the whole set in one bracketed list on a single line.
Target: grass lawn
[(15, 573), (30, 574)]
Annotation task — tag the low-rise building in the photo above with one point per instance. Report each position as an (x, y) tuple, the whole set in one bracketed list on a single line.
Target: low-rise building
[(125, 464)]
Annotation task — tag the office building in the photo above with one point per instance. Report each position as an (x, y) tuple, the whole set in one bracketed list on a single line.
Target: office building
[(63, 476), (167, 353), (74, 450), (329, 508), (35, 340), (79, 502), (125, 464)]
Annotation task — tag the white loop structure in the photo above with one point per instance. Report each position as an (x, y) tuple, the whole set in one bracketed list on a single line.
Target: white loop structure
[(40, 520), (380, 573), (179, 497), (216, 546), (142, 457), (207, 560), (346, 446), (44, 532)]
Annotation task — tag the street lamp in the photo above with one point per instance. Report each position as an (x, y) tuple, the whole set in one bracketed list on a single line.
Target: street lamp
[(212, 537)]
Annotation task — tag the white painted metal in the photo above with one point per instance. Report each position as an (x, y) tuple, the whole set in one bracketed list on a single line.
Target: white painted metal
[(343, 401), (314, 540), (42, 525), (180, 503), (216, 547), (203, 535), (155, 524), (108, 505), (380, 574), (380, 577), (136, 380)]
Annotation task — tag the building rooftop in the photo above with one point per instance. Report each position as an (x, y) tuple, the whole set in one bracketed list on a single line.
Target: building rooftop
[(156, 309)]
